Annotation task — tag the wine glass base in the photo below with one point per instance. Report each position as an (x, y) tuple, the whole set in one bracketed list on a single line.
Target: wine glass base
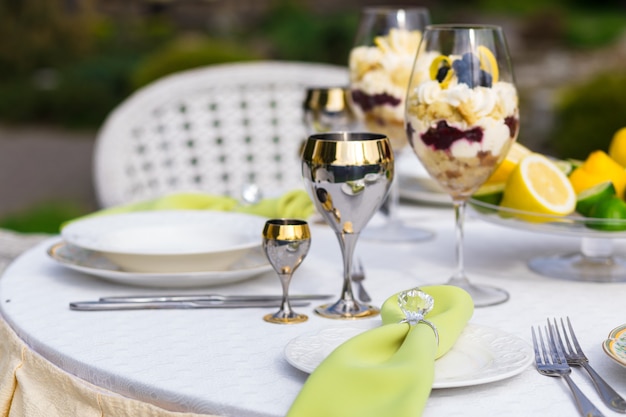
[(577, 267), (396, 231), (343, 309), (282, 318), (482, 295)]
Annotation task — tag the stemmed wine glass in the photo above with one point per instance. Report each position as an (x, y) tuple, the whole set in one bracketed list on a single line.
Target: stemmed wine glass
[(380, 65), (347, 175), (286, 243), (327, 109), (462, 116)]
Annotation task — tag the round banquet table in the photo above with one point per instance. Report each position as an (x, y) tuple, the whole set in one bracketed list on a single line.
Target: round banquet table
[(229, 362)]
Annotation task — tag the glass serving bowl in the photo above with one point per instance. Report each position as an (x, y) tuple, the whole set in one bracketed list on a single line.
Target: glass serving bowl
[(596, 261)]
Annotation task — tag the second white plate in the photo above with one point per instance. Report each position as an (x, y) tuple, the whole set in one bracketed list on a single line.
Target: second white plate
[(412, 190), (480, 355), (93, 263)]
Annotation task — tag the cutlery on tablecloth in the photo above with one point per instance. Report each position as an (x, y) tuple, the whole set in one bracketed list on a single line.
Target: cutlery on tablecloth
[(160, 305), (551, 361), (357, 277), (208, 297), (576, 357)]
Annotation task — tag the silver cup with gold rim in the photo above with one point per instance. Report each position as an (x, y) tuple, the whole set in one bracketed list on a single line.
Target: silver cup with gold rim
[(286, 243), (347, 175), (328, 109)]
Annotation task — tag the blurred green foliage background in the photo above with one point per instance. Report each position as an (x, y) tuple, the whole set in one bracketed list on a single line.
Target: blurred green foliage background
[(70, 62)]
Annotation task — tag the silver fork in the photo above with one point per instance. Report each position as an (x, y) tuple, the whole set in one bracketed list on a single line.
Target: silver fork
[(357, 277), (575, 356), (551, 362)]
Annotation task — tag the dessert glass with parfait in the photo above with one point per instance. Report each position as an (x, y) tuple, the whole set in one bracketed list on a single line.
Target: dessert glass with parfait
[(462, 116), (380, 66)]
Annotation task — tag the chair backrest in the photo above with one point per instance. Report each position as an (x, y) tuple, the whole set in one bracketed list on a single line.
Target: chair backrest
[(212, 129)]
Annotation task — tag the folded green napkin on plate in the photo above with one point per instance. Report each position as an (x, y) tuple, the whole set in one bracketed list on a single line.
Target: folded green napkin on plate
[(293, 204), (389, 370)]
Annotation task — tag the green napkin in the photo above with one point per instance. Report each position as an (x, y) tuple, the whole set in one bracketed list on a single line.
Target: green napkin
[(293, 204), (389, 370)]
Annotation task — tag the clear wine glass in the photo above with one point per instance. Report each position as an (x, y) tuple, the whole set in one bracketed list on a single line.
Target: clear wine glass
[(347, 175), (462, 116), (327, 109), (286, 243), (380, 65)]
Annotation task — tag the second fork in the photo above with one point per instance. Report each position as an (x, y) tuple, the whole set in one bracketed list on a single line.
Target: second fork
[(575, 356), (551, 361)]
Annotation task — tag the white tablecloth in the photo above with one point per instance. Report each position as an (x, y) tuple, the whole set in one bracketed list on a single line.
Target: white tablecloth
[(231, 362)]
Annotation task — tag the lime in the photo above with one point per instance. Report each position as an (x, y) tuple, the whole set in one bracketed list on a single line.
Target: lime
[(613, 211), (566, 166), (538, 186), (490, 193), (575, 162), (588, 198)]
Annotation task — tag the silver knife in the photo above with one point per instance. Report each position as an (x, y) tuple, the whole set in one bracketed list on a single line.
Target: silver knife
[(209, 297), (108, 306)]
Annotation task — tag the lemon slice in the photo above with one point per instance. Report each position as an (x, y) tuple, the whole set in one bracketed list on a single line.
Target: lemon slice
[(488, 62), (538, 186), (434, 69), (515, 154)]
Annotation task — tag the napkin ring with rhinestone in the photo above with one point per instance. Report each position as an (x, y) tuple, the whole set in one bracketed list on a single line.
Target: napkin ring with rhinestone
[(415, 304)]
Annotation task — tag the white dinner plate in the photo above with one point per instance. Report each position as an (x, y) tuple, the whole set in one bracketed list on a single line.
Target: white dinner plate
[(168, 241), (93, 263), (480, 355), (414, 190)]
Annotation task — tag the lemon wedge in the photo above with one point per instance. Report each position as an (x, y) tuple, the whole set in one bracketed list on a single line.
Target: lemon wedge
[(488, 62), (617, 147), (597, 168), (538, 186), (515, 154), (583, 180)]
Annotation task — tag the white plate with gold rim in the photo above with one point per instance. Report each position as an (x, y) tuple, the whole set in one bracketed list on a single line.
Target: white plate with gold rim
[(615, 345), (480, 355), (252, 264)]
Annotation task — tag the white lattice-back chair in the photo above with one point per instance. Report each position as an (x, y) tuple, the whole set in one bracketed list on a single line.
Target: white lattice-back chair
[(212, 129)]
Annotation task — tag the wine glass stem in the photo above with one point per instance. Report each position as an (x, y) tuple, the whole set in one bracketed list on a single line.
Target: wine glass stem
[(285, 279), (459, 217), (348, 243)]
